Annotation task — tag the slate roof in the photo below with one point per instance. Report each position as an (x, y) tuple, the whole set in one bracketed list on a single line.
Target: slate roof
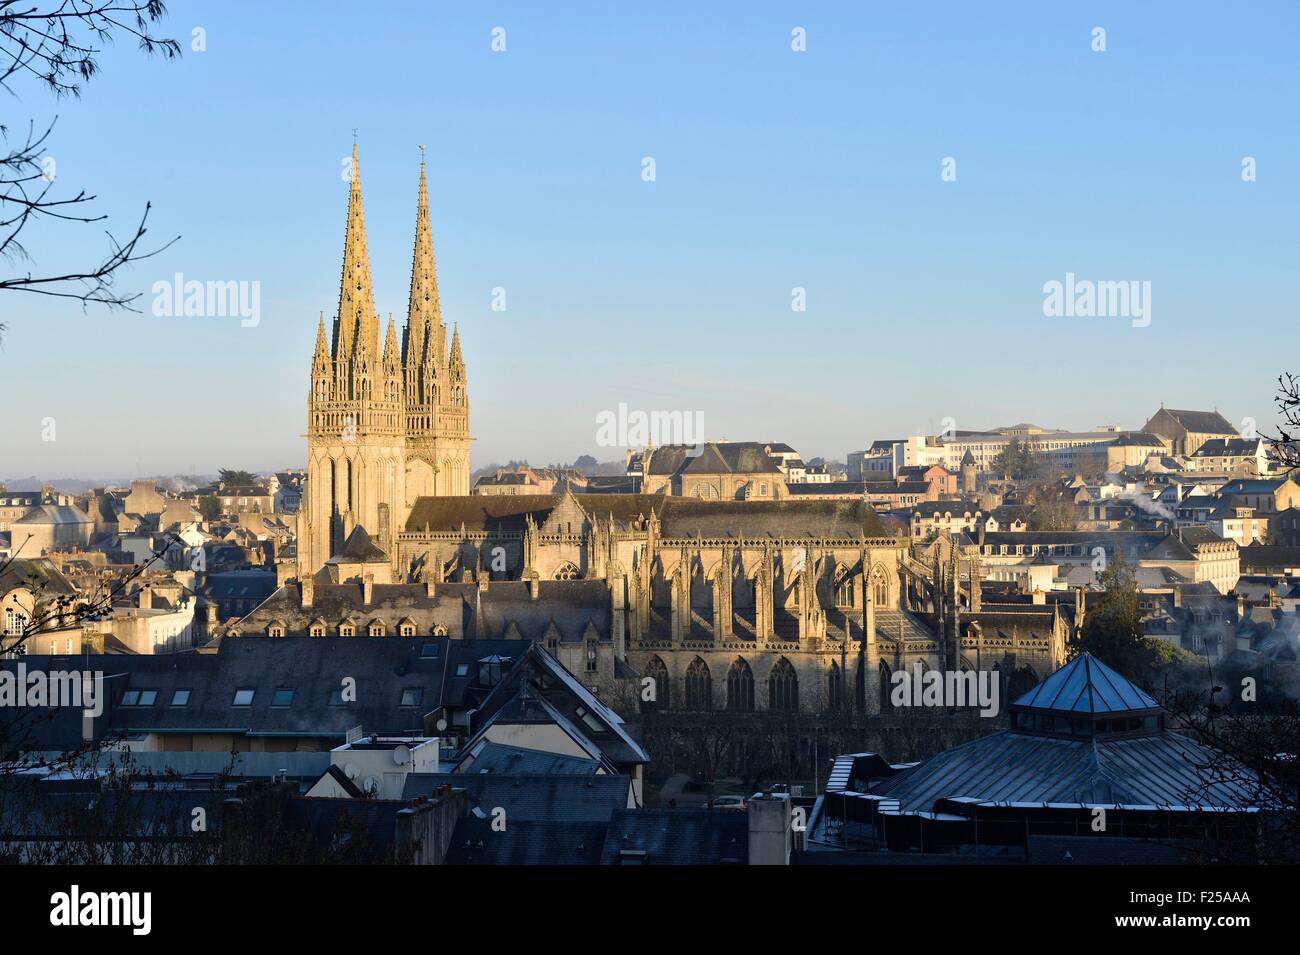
[(679, 516), (960, 508), (531, 798), (1202, 422), (54, 514), (538, 680), (678, 836), (1262, 557), (574, 608), (1228, 447), (39, 573), (1086, 685), (312, 666), (1158, 770), (500, 759), (1138, 439), (845, 488), (725, 457), (359, 547), (1252, 486), (525, 843)]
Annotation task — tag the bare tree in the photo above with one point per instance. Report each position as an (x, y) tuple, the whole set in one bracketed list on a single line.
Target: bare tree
[(1256, 754), (50, 612), (1286, 443), (56, 43)]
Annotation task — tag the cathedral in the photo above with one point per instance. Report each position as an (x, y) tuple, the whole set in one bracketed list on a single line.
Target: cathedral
[(387, 422), (749, 604)]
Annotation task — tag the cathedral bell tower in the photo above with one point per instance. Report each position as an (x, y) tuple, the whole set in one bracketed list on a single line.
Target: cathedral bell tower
[(387, 421)]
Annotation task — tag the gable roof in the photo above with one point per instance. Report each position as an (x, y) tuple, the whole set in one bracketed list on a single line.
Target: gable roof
[(528, 691), (502, 760), (726, 457), (1201, 422)]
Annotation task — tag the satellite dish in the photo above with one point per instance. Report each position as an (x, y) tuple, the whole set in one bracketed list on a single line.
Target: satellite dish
[(350, 770), (401, 754), (371, 784)]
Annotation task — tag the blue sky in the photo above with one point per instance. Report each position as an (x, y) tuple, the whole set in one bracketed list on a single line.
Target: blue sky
[(775, 169)]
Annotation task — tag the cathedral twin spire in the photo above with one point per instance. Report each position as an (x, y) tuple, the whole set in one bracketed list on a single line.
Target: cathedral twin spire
[(417, 368), (357, 331)]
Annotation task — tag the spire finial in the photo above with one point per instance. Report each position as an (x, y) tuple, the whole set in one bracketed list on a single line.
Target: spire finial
[(422, 154)]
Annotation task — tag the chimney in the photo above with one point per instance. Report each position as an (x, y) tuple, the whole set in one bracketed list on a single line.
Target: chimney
[(771, 829), (308, 587), (145, 598), (368, 589), (1039, 597), (429, 589), (534, 587)]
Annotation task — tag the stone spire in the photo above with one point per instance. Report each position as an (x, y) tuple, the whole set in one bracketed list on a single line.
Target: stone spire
[(391, 359), (455, 363), (424, 313), (322, 354), (357, 320)]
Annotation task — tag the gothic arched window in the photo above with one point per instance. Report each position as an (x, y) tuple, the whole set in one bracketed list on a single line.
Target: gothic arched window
[(654, 695), (879, 588), (567, 572), (740, 687), (699, 686), (844, 592), (783, 688)]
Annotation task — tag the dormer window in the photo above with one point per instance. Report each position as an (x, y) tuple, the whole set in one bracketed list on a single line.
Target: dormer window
[(347, 630), (376, 628)]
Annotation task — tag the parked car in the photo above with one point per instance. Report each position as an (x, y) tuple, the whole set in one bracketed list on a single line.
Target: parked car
[(730, 802)]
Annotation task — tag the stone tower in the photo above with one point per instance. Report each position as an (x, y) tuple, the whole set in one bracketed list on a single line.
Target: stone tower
[(968, 474), (386, 421)]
